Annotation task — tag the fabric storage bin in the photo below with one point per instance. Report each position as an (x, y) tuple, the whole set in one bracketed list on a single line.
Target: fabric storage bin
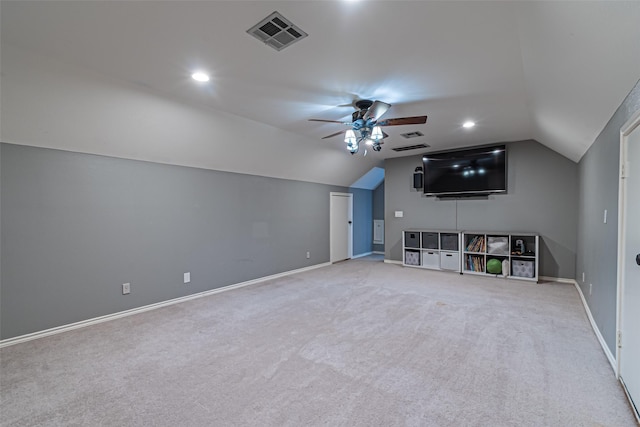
[(429, 240), (497, 245), (522, 268), (412, 239), (431, 259), (450, 261), (412, 257), (449, 241)]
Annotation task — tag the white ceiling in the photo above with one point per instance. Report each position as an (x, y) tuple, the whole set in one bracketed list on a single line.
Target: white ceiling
[(550, 71)]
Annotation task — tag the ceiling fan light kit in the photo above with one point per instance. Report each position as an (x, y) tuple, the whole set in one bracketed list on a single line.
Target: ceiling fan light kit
[(365, 126)]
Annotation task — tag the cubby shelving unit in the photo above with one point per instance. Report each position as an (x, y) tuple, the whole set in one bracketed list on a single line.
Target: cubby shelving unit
[(434, 249), (519, 250)]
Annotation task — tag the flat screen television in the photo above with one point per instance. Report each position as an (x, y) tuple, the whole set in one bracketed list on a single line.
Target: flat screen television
[(478, 171)]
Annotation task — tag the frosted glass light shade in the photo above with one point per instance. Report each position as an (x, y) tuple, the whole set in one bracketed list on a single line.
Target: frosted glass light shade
[(350, 137), (376, 133)]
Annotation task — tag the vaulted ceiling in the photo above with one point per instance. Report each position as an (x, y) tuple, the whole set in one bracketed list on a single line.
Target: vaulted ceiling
[(550, 71)]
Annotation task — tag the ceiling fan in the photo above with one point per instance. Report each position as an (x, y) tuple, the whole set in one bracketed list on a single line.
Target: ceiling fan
[(365, 125)]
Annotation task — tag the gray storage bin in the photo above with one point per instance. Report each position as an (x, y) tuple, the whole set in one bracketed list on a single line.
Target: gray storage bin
[(412, 239), (449, 241), (429, 240), (522, 268)]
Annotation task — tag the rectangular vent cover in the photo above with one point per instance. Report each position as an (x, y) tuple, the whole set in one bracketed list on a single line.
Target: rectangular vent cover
[(277, 31), (412, 134), (410, 147)]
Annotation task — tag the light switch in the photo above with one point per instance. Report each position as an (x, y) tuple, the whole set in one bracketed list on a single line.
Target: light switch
[(187, 277)]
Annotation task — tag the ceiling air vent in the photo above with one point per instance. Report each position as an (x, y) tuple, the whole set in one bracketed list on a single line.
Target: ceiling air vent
[(412, 134), (410, 147), (277, 31)]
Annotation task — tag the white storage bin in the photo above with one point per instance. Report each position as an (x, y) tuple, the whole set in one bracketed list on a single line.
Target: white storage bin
[(430, 259), (450, 261)]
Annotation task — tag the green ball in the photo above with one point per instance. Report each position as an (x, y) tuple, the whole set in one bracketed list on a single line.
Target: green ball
[(494, 266)]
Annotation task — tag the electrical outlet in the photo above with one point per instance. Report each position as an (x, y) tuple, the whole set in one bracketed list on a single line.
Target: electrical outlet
[(308, 254), (187, 277), (583, 277), (126, 288), (590, 288)]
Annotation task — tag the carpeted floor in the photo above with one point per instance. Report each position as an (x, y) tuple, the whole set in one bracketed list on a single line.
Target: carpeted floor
[(359, 343)]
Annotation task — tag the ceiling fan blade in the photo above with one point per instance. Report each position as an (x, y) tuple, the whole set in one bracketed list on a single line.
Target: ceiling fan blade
[(333, 134), (417, 120), (329, 121), (377, 109), (384, 135)]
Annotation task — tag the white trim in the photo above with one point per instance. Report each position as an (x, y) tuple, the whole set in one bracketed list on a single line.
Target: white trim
[(378, 252), (361, 255), (108, 317), (594, 326), (556, 279), (393, 261), (629, 126), (633, 406)]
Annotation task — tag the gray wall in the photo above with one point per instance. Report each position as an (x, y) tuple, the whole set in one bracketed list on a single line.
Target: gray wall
[(597, 241), (76, 226), (542, 197), (362, 221), (378, 209)]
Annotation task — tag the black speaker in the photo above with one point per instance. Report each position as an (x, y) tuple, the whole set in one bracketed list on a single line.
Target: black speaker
[(417, 181)]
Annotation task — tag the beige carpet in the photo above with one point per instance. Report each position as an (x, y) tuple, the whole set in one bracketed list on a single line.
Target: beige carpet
[(360, 343)]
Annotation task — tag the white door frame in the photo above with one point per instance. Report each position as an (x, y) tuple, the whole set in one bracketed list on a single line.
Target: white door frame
[(350, 233), (632, 124)]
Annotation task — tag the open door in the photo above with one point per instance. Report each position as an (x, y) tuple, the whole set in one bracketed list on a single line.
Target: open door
[(628, 351)]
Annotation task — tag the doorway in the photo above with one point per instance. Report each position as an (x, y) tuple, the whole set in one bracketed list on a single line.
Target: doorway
[(628, 345), (340, 226)]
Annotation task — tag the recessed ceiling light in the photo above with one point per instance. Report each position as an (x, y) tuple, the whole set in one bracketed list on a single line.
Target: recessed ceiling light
[(200, 76), (468, 124)]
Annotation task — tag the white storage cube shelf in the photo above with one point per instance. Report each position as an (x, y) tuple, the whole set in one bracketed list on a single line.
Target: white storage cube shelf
[(432, 249), (473, 252), (517, 254)]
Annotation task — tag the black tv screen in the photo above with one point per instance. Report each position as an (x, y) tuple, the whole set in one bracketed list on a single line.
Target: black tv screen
[(466, 172)]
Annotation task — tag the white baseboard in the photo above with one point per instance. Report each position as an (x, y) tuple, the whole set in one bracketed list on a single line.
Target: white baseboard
[(367, 254), (361, 255), (631, 403), (603, 344), (94, 321), (557, 279), (393, 261)]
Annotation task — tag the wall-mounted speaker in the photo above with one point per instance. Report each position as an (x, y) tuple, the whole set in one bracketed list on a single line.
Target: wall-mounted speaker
[(417, 181)]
